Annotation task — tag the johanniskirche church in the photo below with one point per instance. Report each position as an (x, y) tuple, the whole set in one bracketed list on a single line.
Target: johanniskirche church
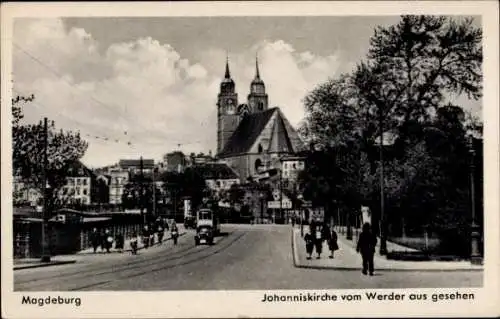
[(251, 136)]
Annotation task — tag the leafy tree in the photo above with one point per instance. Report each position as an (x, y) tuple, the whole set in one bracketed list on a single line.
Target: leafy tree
[(401, 88), (342, 128), (414, 65), (63, 149)]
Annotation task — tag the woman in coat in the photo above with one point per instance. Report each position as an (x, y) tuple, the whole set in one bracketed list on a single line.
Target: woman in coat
[(332, 242), (309, 241), (319, 237)]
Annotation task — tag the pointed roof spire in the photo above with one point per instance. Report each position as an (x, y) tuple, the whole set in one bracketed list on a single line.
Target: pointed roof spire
[(227, 75), (257, 74)]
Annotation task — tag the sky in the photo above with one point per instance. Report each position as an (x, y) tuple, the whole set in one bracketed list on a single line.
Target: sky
[(147, 86)]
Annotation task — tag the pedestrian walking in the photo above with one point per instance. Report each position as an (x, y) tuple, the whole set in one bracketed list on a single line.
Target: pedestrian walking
[(152, 235), (332, 242), (133, 243), (94, 239), (102, 240), (318, 239), (145, 236), (160, 232), (119, 242), (309, 239), (175, 232), (108, 240), (366, 246)]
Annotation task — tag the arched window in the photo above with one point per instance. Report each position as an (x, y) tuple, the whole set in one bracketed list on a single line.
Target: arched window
[(260, 149), (261, 106), (258, 163)]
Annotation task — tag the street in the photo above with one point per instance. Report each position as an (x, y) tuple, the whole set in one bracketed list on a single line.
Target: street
[(244, 257)]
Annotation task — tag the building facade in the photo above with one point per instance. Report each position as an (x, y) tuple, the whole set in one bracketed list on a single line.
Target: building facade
[(174, 162), (218, 176), (133, 166), (78, 187), (23, 194), (252, 137), (118, 178), (291, 166)]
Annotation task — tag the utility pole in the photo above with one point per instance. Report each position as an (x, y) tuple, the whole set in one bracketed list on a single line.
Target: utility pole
[(475, 256), (383, 238), (154, 192), (45, 216), (141, 197)]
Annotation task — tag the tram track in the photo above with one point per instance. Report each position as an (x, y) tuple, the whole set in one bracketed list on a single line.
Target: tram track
[(164, 267), (166, 261), (91, 270)]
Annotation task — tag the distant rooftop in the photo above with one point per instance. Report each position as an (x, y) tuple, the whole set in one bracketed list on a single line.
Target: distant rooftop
[(216, 171), (136, 163)]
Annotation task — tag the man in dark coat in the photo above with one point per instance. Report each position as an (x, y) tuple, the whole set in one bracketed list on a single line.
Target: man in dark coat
[(366, 246), (309, 239), (332, 241), (95, 238)]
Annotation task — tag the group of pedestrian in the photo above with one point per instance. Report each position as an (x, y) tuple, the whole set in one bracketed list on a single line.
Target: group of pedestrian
[(105, 240), (149, 231), (321, 232), (317, 235)]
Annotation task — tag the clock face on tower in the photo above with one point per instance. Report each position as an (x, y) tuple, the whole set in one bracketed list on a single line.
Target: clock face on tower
[(230, 106)]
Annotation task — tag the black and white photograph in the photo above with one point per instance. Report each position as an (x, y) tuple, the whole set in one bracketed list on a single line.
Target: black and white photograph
[(300, 153)]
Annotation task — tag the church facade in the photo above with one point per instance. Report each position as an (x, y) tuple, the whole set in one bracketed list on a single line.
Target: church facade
[(251, 136)]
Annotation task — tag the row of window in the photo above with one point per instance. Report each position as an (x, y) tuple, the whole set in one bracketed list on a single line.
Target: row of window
[(293, 165), (78, 181), (74, 191)]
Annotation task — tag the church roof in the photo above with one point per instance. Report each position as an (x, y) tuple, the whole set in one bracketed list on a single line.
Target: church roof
[(247, 132), (283, 138), (280, 141)]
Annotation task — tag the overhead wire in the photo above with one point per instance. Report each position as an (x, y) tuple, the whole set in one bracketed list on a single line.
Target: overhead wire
[(109, 107)]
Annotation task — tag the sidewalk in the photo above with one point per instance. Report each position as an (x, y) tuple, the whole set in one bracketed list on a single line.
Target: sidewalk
[(346, 258), (26, 263), (126, 246), (391, 246)]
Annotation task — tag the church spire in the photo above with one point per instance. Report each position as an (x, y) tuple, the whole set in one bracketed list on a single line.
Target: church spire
[(228, 74), (257, 74)]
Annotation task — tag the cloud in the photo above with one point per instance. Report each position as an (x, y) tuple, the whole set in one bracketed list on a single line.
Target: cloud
[(143, 91)]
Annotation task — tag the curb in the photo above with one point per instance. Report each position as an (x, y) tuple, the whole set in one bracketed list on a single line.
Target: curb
[(55, 263), (295, 252), (385, 269), (129, 250), (390, 269)]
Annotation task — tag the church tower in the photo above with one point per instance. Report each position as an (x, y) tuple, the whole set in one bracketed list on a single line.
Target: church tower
[(257, 99), (227, 117)]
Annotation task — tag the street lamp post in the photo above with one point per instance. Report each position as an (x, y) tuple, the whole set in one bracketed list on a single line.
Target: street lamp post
[(475, 255), (154, 192), (45, 217), (141, 192), (383, 238)]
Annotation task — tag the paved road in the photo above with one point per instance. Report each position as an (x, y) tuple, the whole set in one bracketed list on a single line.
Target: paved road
[(246, 257)]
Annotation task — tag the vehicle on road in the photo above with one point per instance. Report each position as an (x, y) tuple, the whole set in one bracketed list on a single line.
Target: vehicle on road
[(207, 227)]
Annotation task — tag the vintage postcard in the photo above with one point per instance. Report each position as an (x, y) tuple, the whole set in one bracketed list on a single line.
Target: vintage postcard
[(250, 159)]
